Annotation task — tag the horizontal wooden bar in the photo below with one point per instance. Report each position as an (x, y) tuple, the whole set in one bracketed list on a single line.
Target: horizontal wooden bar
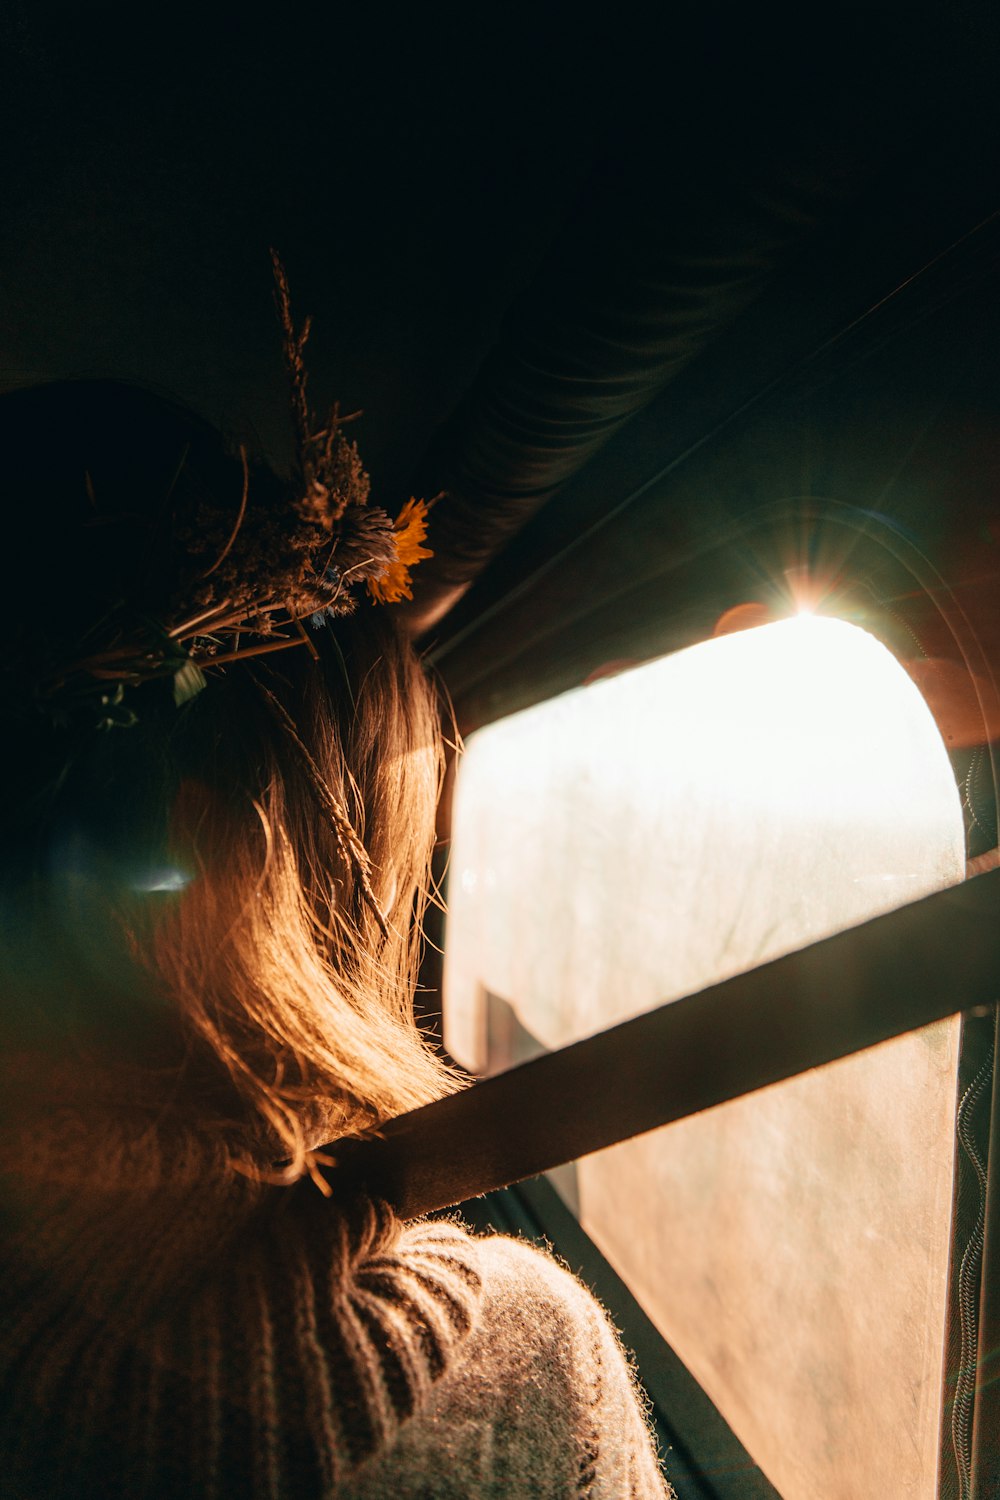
[(890, 975)]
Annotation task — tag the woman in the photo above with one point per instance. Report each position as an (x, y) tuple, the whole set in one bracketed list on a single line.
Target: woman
[(222, 768)]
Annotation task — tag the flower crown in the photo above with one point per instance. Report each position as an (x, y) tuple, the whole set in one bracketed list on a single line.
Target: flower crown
[(253, 584)]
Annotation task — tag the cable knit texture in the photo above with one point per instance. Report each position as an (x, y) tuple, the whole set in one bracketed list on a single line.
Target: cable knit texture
[(184, 1334)]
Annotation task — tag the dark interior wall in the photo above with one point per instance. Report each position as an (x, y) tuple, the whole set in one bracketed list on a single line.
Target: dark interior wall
[(413, 166), (548, 252), (149, 163)]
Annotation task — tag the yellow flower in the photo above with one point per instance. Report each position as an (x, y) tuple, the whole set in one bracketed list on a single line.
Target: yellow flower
[(409, 530)]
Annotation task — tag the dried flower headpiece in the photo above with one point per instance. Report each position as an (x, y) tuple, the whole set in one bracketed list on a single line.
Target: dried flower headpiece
[(250, 585)]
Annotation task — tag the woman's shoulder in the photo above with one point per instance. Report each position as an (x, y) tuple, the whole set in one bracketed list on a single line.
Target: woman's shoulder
[(537, 1397), (333, 1350)]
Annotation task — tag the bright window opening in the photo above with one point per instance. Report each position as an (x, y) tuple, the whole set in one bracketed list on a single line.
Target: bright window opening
[(644, 837)]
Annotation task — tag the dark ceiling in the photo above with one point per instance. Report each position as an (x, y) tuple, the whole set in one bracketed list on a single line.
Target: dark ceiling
[(547, 250)]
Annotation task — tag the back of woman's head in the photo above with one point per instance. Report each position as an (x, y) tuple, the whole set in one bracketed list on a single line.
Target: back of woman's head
[(212, 877)]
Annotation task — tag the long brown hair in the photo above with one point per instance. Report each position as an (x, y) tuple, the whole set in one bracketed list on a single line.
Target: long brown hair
[(276, 961), (290, 1003)]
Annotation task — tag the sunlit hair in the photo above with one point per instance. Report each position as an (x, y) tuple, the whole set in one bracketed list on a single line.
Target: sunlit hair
[(280, 1013), (276, 961)]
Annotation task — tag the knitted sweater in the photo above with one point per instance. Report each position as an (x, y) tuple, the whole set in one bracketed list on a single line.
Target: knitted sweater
[(194, 1342)]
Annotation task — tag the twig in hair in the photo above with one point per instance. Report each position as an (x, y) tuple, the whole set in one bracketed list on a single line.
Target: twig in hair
[(239, 519), (343, 828), (285, 644), (190, 626), (293, 344), (309, 645)]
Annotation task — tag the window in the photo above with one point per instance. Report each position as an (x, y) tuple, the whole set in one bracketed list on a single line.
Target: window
[(641, 838)]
